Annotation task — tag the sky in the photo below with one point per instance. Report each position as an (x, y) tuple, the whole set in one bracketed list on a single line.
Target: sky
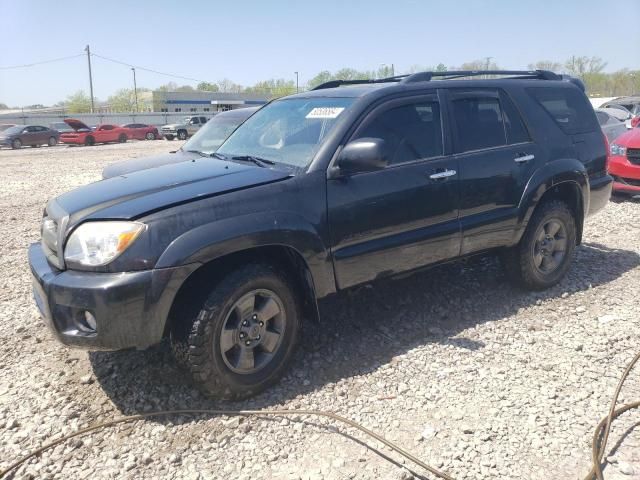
[(248, 41)]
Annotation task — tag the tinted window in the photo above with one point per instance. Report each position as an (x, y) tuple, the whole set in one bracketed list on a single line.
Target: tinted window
[(195, 121), (568, 107), (479, 122), (203, 119), (410, 132), (513, 123)]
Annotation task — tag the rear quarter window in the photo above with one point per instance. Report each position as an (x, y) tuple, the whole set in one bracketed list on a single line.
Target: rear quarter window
[(568, 107)]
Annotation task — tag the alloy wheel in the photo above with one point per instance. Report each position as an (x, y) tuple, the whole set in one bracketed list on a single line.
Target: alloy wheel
[(252, 331)]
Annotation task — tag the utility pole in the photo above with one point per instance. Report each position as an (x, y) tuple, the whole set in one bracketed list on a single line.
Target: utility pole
[(297, 89), (90, 77), (135, 87)]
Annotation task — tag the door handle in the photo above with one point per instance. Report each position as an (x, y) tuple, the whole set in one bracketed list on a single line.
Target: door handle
[(524, 158), (443, 174)]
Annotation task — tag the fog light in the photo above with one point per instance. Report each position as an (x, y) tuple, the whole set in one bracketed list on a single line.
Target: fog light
[(90, 319)]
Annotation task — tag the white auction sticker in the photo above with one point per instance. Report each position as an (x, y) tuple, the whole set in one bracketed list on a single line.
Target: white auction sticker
[(325, 112)]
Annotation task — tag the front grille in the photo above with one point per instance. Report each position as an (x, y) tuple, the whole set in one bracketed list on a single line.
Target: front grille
[(633, 154)]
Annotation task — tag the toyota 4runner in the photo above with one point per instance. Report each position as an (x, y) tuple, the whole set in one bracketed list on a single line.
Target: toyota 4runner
[(228, 253)]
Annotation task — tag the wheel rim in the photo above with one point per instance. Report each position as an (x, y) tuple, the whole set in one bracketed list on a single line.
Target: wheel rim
[(252, 331), (52, 142), (182, 135), (17, 143), (550, 246), (150, 136)]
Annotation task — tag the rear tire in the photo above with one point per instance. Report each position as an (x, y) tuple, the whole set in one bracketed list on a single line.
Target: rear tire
[(544, 253), (16, 144), (244, 335), (89, 141), (150, 136), (122, 138), (52, 141)]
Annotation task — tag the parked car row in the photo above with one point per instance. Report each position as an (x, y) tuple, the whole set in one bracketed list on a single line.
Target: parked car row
[(73, 131), (625, 109)]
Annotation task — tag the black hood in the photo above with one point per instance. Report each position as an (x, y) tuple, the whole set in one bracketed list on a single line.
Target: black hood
[(136, 164), (133, 195)]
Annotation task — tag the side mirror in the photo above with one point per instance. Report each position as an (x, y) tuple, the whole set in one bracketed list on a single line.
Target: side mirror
[(362, 155)]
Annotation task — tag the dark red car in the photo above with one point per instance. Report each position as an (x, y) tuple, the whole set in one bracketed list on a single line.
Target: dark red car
[(140, 131), (624, 162), (84, 135)]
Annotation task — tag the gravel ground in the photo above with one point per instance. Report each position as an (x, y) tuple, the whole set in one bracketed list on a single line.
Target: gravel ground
[(472, 375)]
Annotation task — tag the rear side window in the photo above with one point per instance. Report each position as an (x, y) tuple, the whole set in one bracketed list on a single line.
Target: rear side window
[(513, 124), (602, 117), (479, 122), (568, 107)]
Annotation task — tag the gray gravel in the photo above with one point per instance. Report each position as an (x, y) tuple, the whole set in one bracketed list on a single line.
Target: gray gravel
[(477, 378)]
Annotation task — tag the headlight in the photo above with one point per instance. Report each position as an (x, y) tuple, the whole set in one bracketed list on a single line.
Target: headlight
[(618, 149), (98, 243)]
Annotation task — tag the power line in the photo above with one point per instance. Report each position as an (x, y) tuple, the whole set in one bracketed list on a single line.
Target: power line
[(26, 65), (137, 67)]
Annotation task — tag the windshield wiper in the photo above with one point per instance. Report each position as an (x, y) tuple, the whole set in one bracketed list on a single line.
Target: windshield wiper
[(261, 162), (202, 154), (219, 156)]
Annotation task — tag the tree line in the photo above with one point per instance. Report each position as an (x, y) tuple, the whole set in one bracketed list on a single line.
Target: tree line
[(590, 69)]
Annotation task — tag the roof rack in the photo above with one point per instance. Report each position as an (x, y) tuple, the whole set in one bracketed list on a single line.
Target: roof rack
[(448, 75)]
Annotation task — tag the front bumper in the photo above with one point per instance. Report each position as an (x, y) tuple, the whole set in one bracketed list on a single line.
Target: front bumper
[(626, 175), (130, 308)]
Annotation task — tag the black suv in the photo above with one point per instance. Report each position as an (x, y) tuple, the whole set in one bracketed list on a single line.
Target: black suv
[(228, 253)]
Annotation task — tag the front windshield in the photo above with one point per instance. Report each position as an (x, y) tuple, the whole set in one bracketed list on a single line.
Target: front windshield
[(215, 131), (286, 131)]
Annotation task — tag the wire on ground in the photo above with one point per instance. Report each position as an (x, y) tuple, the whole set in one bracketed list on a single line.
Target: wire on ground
[(599, 444)]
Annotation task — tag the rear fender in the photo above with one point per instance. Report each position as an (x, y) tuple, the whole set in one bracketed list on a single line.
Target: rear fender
[(545, 178)]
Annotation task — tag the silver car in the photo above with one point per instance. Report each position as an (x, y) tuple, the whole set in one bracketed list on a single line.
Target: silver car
[(611, 126)]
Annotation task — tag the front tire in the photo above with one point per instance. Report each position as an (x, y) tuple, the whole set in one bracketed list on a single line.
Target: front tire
[(544, 253), (182, 134), (89, 141), (150, 136), (122, 138), (244, 335), (16, 144), (169, 137)]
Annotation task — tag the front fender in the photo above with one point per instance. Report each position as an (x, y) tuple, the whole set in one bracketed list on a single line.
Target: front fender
[(548, 176), (223, 237)]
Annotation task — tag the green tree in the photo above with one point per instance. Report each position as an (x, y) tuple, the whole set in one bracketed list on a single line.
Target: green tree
[(226, 85), (207, 87), (168, 87), (124, 100), (322, 77), (274, 88), (580, 66), (546, 65), (78, 102)]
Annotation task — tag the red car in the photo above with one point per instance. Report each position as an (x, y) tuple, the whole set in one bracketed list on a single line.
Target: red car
[(624, 162), (84, 135), (140, 131)]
